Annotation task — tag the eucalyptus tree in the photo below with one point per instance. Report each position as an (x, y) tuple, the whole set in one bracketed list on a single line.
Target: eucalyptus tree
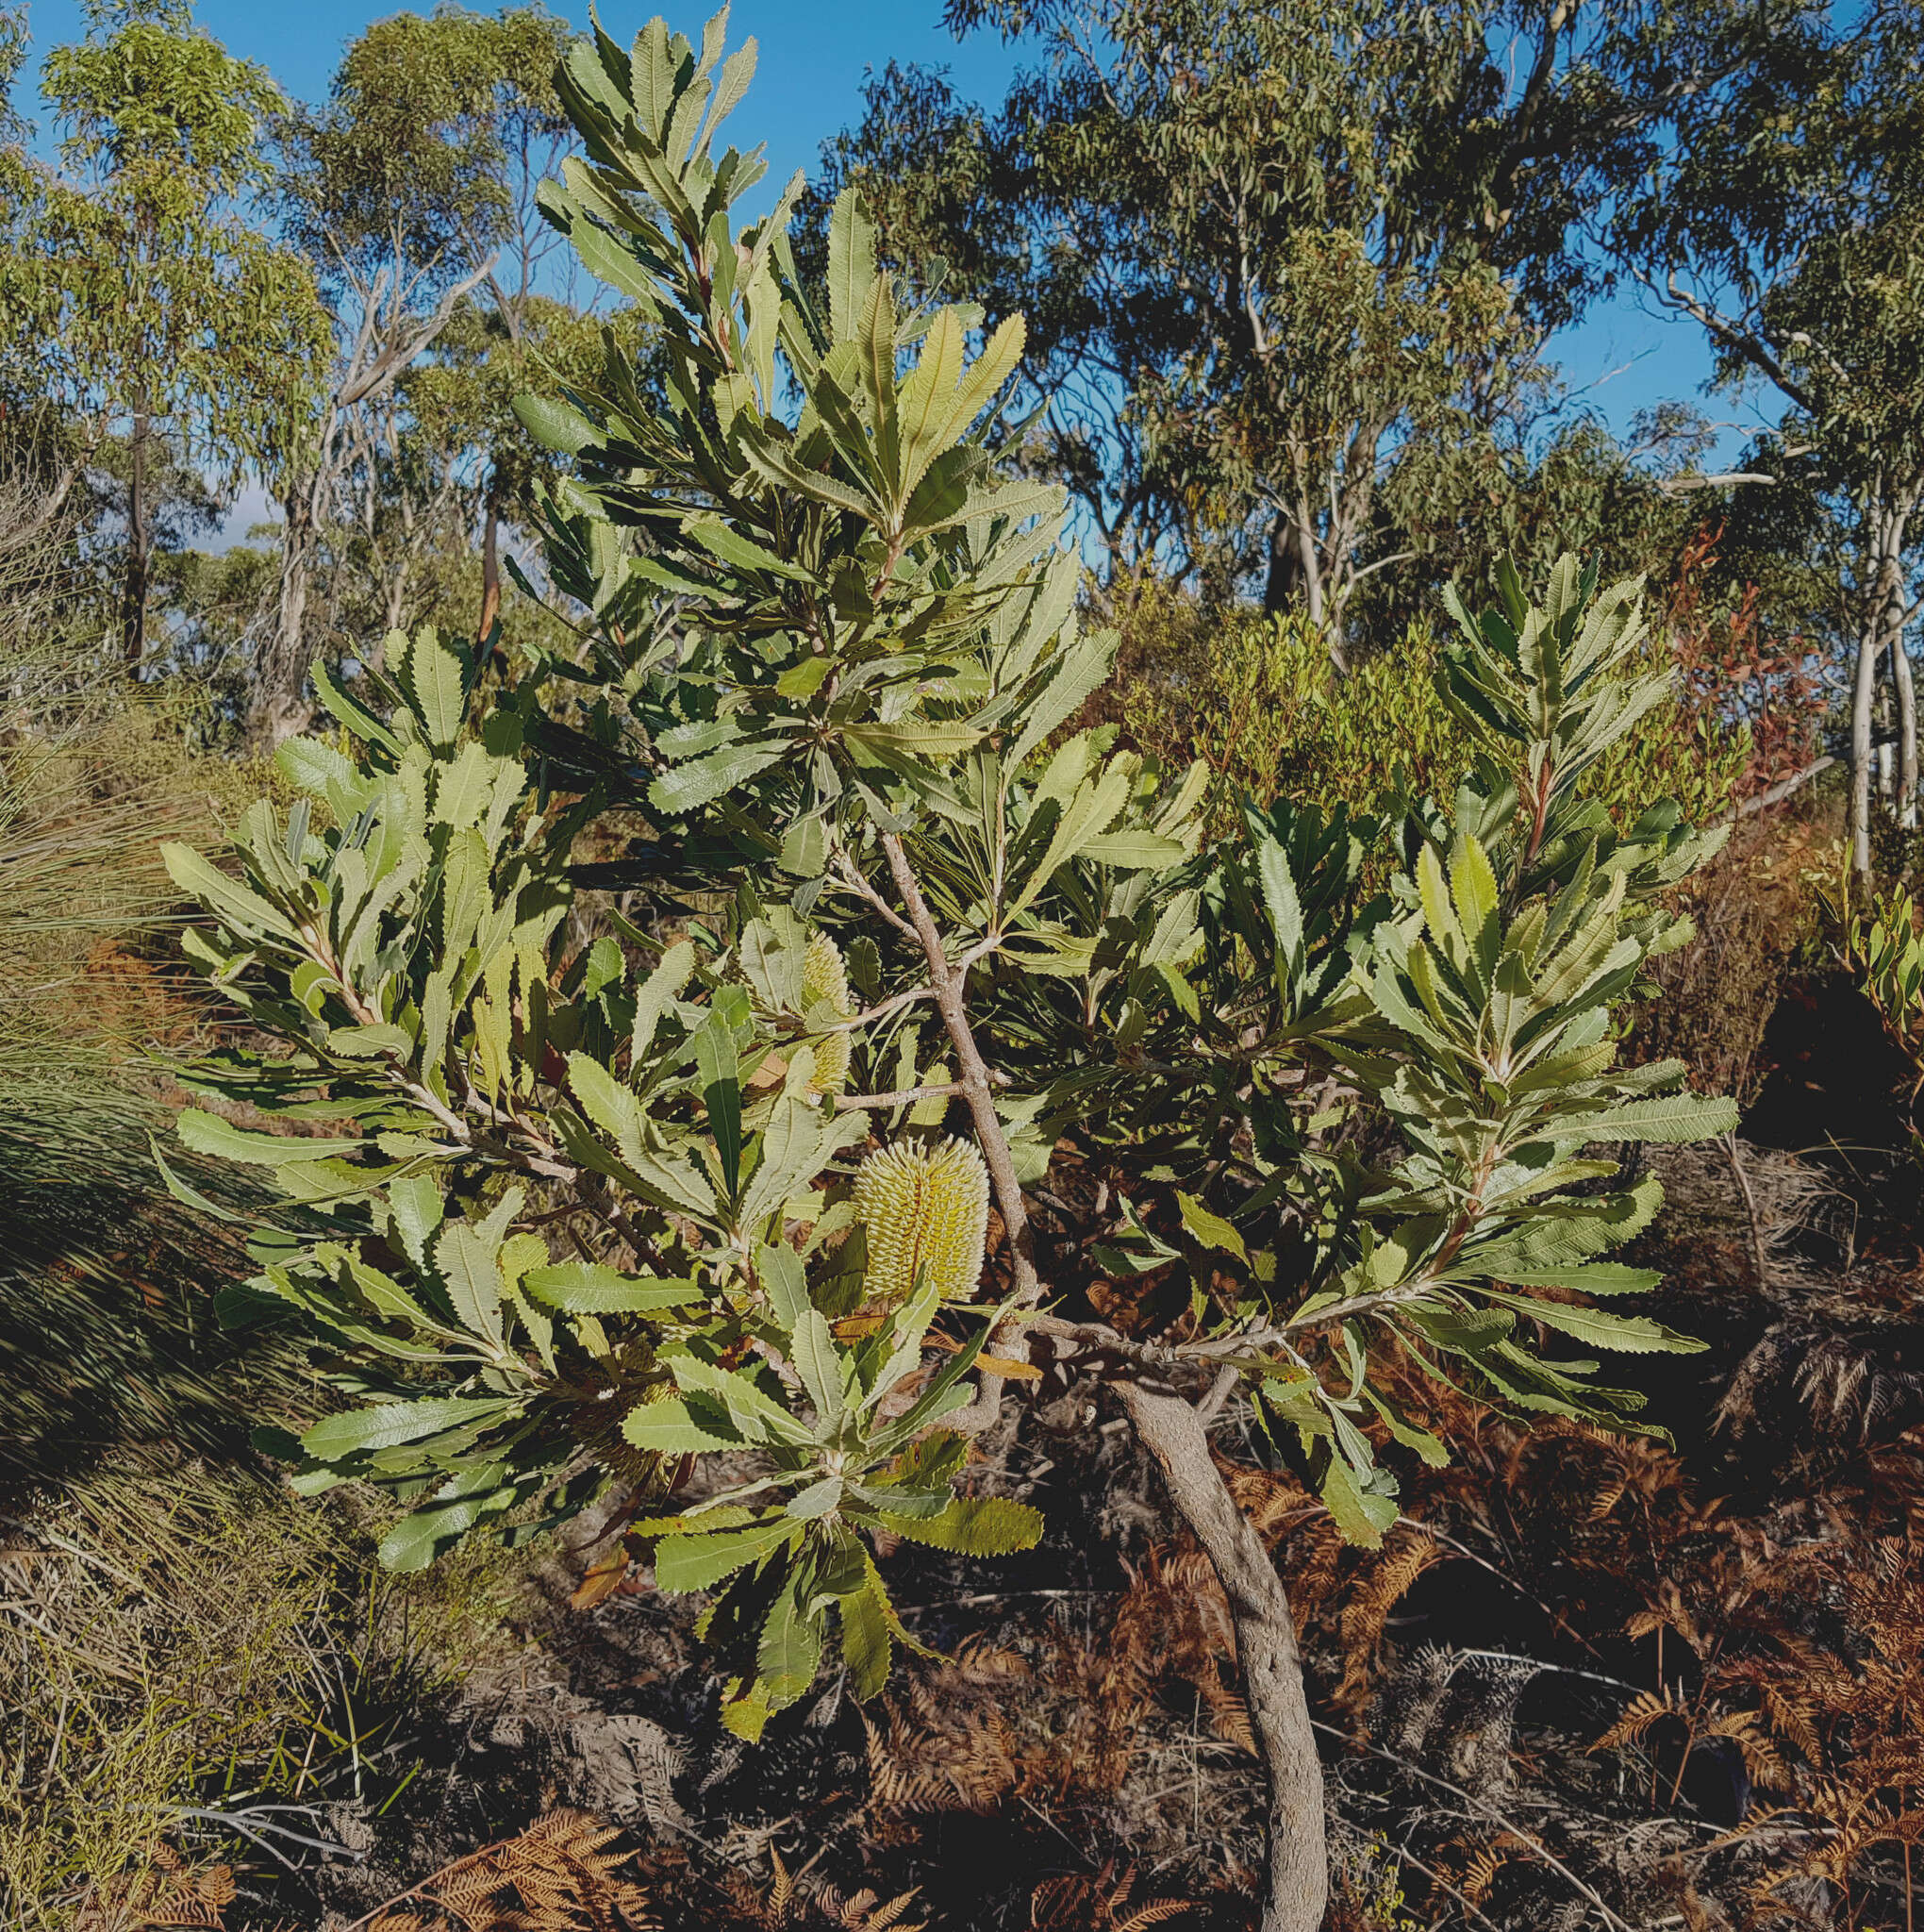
[(742, 1210), (138, 298), (1550, 479), (1787, 219), (458, 464), (412, 193), (1270, 252), (1240, 304)]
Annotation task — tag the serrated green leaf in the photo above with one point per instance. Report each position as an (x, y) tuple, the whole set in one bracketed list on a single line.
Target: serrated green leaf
[(865, 1641), (466, 1261), (756, 1415), (666, 1428), (699, 1562), (1360, 1515), (973, 1526), (191, 1196), (554, 423), (789, 1651), (731, 546), (1472, 886), (1460, 1329), (1680, 1117), (819, 1363), (1211, 1230), (1598, 1329), (591, 1287), (785, 1283), (746, 1710), (360, 1431), (818, 1499), (703, 780), (1280, 899), (229, 901), (1592, 1277), (416, 1204), (851, 263), (715, 1516), (1134, 850), (433, 677), (652, 995), (720, 1076), (208, 1133)]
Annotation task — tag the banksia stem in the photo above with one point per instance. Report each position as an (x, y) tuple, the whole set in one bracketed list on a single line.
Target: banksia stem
[(825, 978), (923, 1209)]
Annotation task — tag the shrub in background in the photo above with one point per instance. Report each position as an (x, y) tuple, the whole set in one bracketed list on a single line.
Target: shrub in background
[(728, 1207), (1255, 698)]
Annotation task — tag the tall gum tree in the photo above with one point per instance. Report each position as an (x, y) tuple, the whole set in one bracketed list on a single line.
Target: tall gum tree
[(1270, 252), (1787, 218), (140, 301), (411, 190)]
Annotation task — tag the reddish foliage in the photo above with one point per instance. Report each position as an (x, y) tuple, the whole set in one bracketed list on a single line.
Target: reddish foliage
[(1731, 670)]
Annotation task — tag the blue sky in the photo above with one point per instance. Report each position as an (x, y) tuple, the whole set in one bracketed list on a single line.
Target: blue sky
[(814, 57)]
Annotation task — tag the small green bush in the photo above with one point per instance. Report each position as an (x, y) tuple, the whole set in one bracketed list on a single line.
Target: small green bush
[(1255, 698)]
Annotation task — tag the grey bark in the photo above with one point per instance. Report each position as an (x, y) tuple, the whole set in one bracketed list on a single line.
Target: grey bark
[(1863, 694), (136, 583), (1299, 1881), (1907, 732), (387, 340)]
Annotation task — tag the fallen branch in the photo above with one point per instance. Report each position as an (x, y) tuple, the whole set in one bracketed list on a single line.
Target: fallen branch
[(1777, 794)]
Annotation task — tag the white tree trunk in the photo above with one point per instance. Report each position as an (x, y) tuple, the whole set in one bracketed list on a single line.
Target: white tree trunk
[(1863, 695), (1907, 733)]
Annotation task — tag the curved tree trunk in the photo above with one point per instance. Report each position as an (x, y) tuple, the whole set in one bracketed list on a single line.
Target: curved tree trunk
[(490, 566), (275, 710), (135, 584), (1907, 731), (1266, 1648), (1863, 694), (1892, 615), (1284, 575)]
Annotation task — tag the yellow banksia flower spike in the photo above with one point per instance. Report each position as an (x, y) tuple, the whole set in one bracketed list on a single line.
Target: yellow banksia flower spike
[(824, 977), (924, 1208)]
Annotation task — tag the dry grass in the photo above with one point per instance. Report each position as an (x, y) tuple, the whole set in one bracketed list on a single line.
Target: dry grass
[(200, 1657)]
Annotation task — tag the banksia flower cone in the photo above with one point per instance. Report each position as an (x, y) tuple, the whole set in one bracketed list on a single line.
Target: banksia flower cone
[(824, 977), (923, 1209)]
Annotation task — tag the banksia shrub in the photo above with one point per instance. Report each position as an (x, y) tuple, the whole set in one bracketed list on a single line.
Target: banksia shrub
[(825, 982), (838, 682), (924, 1208)]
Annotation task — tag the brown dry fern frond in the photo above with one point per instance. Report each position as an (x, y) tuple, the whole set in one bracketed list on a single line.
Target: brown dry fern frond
[(796, 1900), (1100, 1904), (931, 1758), (167, 1892), (558, 1875), (1384, 1584), (1647, 1709)]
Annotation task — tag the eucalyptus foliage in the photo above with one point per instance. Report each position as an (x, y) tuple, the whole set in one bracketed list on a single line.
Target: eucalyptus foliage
[(690, 1200), (134, 296)]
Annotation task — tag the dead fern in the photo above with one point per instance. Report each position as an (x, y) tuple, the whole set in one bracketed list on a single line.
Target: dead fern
[(939, 1753), (796, 1900), (168, 1892), (1100, 1904), (558, 1875), (1407, 1554), (1175, 1623)]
